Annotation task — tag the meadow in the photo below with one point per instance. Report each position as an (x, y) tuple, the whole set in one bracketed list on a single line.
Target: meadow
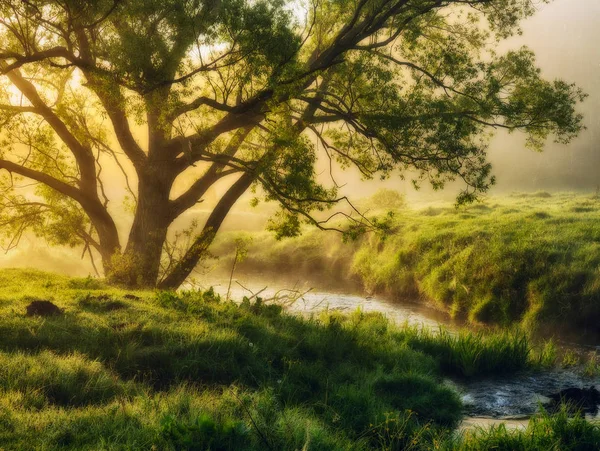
[(121, 370), (530, 259)]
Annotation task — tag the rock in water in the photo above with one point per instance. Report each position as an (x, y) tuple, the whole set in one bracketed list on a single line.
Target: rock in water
[(43, 308), (580, 399)]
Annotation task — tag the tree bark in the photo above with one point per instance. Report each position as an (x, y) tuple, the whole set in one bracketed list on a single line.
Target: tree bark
[(108, 235), (141, 259), (189, 261)]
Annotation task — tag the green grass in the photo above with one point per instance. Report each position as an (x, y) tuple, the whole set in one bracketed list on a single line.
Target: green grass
[(468, 354), (544, 432), (531, 259), (190, 371)]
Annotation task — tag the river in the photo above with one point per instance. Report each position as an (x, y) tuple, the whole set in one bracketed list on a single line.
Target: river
[(508, 400)]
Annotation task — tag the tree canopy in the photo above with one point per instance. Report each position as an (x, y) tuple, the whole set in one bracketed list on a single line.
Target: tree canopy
[(249, 91)]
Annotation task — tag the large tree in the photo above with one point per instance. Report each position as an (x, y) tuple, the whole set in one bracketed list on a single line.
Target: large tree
[(249, 91)]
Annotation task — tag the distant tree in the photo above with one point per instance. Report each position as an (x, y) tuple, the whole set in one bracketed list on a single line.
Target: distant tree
[(248, 91), (387, 198)]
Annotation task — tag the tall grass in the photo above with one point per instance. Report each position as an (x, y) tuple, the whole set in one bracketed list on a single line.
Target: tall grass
[(544, 432), (469, 354)]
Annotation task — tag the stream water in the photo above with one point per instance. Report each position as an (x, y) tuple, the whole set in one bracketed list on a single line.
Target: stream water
[(508, 400)]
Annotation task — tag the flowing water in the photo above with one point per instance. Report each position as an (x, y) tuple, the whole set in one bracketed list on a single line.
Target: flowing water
[(508, 400)]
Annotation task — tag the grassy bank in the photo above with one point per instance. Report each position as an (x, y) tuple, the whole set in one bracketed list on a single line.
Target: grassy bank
[(190, 371), (528, 258), (544, 432)]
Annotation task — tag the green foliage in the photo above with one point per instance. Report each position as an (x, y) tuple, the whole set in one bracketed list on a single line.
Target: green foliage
[(570, 359), (472, 354), (548, 354), (187, 301), (387, 199), (592, 365), (258, 87)]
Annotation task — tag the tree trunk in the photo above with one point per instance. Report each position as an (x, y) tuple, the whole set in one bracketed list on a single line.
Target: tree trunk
[(108, 240), (191, 258), (140, 263)]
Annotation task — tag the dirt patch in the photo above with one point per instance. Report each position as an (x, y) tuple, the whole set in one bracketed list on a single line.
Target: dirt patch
[(43, 308)]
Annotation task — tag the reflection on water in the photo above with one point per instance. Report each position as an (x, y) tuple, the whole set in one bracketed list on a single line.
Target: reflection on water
[(517, 396), (304, 300)]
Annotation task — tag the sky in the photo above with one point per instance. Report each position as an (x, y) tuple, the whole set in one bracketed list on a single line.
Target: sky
[(565, 36)]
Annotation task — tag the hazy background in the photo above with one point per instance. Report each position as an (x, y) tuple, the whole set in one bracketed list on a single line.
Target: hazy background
[(565, 36)]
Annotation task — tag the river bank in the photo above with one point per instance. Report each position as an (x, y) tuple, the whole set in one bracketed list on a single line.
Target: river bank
[(527, 259)]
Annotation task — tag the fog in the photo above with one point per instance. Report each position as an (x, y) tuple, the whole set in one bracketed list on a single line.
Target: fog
[(565, 37), (176, 316), (563, 34)]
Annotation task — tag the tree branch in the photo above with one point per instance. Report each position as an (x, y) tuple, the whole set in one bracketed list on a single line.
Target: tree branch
[(39, 176), (83, 155), (215, 172), (189, 261), (21, 60)]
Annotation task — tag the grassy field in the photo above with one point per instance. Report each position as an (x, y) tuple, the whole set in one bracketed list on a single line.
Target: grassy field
[(532, 259), (189, 371)]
